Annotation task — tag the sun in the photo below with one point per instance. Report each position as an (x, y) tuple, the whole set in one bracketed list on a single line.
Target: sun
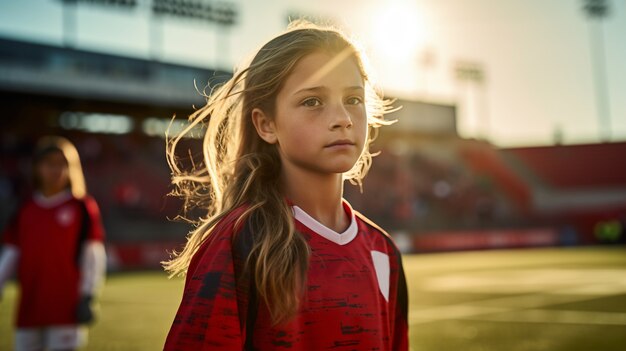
[(397, 32)]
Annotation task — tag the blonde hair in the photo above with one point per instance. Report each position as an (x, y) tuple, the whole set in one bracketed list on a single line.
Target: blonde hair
[(49, 144), (241, 169)]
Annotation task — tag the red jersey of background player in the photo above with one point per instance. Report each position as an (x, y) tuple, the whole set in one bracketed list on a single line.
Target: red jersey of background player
[(355, 297), (46, 233)]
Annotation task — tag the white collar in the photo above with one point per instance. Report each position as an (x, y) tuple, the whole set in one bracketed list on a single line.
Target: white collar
[(338, 238), (51, 201)]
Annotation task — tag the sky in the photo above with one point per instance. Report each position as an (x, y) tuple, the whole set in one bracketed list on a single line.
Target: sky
[(534, 55)]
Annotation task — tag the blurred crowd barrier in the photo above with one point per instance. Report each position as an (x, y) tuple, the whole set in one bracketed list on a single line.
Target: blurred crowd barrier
[(436, 195)]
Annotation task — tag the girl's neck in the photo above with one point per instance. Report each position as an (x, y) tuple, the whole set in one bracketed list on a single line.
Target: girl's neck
[(52, 200), (51, 191), (319, 195)]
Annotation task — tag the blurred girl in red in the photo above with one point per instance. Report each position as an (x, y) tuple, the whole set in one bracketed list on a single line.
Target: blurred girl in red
[(54, 243)]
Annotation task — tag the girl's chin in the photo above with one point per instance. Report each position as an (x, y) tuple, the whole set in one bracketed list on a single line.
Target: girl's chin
[(344, 169)]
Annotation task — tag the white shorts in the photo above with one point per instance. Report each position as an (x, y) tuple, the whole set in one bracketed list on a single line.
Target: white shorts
[(57, 337)]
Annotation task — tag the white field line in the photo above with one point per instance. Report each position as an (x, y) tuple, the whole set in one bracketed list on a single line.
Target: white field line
[(542, 288), (557, 317), (525, 308)]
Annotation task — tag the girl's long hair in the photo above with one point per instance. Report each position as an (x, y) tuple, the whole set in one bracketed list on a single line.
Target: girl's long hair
[(240, 169), (48, 144)]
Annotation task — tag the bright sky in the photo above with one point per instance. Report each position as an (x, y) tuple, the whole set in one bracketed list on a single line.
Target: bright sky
[(535, 54)]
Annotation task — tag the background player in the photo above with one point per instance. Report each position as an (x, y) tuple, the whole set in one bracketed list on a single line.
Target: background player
[(55, 244), (282, 260)]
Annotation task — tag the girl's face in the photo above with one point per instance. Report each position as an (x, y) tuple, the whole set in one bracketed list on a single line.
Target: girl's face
[(320, 124), (53, 173)]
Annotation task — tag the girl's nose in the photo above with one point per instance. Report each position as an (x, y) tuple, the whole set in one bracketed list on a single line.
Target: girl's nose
[(341, 118)]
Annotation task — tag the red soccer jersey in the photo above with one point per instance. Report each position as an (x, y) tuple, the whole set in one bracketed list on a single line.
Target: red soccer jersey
[(356, 296), (46, 233)]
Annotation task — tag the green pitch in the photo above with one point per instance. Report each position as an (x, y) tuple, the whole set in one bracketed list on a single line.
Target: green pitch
[(545, 299)]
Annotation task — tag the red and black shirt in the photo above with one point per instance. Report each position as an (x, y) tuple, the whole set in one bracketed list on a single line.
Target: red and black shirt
[(47, 231), (355, 297)]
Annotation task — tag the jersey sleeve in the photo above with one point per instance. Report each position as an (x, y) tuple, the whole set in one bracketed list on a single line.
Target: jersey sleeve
[(9, 256), (398, 295), (214, 310), (11, 232), (92, 267), (95, 231), (401, 327)]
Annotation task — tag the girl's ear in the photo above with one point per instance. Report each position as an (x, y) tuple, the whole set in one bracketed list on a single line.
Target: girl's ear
[(264, 126)]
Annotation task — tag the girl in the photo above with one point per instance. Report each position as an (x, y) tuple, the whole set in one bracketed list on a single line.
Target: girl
[(282, 262), (55, 244)]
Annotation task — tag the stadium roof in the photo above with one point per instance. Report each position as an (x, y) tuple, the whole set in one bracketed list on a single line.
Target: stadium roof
[(56, 71)]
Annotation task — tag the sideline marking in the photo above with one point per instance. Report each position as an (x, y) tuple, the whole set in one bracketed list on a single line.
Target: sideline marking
[(539, 288)]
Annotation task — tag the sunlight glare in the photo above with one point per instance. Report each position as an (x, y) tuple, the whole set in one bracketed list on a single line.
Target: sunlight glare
[(398, 32)]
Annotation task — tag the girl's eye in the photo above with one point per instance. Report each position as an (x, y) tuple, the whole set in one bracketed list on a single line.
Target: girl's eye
[(312, 102), (354, 100)]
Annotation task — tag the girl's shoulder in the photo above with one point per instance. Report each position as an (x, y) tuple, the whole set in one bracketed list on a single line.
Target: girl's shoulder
[(87, 198), (89, 203), (222, 236), (371, 226), (231, 223), (375, 232)]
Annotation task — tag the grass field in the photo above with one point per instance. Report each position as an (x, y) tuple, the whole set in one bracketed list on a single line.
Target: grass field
[(542, 299)]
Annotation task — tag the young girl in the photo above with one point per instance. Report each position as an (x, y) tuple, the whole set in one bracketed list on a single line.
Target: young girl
[(282, 261), (55, 242)]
